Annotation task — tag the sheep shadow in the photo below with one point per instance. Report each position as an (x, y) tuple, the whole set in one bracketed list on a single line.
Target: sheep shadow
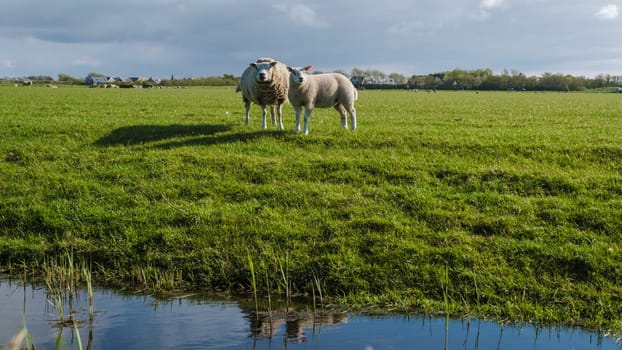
[(223, 138), (192, 135), (141, 134)]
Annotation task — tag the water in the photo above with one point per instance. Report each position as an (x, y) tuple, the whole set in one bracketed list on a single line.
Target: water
[(193, 322)]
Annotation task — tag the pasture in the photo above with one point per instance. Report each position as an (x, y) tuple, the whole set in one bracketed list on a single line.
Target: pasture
[(500, 205)]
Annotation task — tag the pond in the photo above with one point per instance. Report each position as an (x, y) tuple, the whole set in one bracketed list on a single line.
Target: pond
[(198, 322)]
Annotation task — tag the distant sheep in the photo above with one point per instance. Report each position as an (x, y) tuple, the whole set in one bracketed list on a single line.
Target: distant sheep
[(265, 82), (321, 90)]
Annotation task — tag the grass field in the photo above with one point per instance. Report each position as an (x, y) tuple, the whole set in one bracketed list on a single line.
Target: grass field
[(500, 205)]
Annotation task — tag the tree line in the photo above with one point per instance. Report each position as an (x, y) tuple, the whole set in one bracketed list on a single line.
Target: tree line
[(481, 79), (63, 78), (456, 79), (485, 79)]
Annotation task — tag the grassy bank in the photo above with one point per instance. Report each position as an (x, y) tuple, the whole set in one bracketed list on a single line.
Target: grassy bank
[(507, 205)]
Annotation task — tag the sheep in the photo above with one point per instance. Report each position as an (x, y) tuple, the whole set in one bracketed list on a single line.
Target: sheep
[(265, 82), (321, 90)]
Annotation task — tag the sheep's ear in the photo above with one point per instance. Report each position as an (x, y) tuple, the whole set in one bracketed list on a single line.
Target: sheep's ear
[(307, 68), (273, 63), (253, 64), (290, 69)]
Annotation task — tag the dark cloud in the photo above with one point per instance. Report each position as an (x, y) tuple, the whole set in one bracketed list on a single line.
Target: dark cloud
[(212, 37)]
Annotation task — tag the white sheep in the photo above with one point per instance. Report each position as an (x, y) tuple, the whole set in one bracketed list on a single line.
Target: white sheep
[(321, 90), (265, 82)]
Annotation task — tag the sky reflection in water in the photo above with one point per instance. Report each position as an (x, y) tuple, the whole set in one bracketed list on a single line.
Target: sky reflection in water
[(132, 322)]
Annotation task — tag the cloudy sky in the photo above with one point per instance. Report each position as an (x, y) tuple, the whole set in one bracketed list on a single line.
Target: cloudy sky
[(213, 37)]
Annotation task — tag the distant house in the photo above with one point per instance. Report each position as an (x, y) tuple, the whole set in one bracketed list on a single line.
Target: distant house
[(137, 80), (106, 81), (94, 81)]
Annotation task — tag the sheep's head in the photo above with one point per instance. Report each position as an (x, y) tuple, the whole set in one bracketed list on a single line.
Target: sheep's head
[(263, 73), (298, 75)]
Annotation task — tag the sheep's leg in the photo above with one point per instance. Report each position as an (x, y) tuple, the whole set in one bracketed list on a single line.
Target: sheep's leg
[(280, 115), (308, 112), (247, 107), (264, 125), (342, 114), (298, 110), (352, 111), (272, 114)]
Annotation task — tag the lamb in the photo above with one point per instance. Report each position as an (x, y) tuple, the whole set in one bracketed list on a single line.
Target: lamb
[(321, 90), (265, 82)]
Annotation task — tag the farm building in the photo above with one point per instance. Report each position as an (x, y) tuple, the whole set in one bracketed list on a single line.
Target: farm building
[(103, 81), (94, 81)]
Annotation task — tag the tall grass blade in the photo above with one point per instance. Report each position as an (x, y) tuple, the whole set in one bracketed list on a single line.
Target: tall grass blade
[(89, 288), (78, 338), (251, 267)]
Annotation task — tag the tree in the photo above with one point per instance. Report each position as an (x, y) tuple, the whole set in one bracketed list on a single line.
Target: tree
[(68, 79), (377, 76), (41, 78), (417, 82), (550, 81), (397, 78), (357, 72), (485, 79)]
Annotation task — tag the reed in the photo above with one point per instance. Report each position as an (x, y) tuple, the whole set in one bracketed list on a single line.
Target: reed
[(269, 299), (313, 299), (445, 287), (155, 281), (86, 273), (284, 270), (78, 338), (58, 342), (318, 286), (56, 302), (251, 267), (62, 276), (71, 275)]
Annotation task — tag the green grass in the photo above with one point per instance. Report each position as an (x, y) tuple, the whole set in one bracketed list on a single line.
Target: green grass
[(501, 205)]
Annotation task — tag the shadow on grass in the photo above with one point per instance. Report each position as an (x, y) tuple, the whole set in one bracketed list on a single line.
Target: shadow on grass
[(139, 134), (223, 138), (194, 134)]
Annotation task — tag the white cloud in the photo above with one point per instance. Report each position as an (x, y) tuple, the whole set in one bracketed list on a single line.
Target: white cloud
[(608, 12), (302, 15), (490, 4), (486, 6)]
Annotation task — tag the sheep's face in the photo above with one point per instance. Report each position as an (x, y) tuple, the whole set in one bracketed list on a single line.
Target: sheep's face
[(299, 75), (263, 73)]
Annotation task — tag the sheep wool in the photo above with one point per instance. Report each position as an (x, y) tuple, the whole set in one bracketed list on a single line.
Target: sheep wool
[(265, 82), (321, 90)]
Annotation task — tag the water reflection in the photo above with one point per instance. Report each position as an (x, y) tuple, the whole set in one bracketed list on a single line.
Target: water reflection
[(298, 326), (194, 322)]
